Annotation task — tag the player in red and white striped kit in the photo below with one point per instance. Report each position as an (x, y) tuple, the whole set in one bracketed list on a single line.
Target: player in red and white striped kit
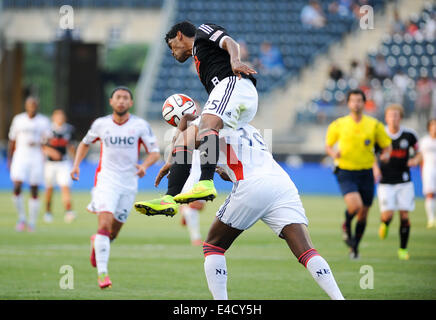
[(121, 135)]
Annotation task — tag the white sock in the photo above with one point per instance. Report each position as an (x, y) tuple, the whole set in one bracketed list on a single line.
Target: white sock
[(192, 222), (102, 248), (19, 205), (430, 208), (320, 271), (33, 211), (216, 274)]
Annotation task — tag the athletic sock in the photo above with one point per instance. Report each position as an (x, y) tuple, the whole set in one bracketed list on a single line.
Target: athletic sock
[(180, 169), (360, 229), (387, 222), (430, 204), (192, 222), (33, 211), (209, 153), (215, 269), (321, 272), (404, 233), (102, 250), (19, 205)]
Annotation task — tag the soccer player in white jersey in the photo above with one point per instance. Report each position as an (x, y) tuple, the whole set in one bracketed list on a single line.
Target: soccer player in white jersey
[(261, 191), (428, 151), (26, 159), (116, 180)]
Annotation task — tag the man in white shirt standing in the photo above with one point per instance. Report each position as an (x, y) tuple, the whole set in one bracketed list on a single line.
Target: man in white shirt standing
[(121, 135), (26, 159)]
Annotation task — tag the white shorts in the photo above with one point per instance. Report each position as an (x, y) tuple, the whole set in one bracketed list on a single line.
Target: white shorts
[(273, 200), (428, 181), (27, 169), (106, 199), (234, 101), (57, 172), (393, 197)]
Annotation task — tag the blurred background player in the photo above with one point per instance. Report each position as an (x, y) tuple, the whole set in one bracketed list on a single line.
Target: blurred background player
[(354, 158), (232, 98), (26, 160), (427, 147), (396, 190), (116, 181), (59, 150)]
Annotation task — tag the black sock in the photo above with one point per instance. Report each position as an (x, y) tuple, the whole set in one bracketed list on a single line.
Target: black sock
[(348, 218), (387, 222), (180, 169), (209, 153), (360, 229), (404, 233)]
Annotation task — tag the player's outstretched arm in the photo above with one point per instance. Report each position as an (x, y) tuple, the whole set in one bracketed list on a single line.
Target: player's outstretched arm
[(82, 151), (238, 67)]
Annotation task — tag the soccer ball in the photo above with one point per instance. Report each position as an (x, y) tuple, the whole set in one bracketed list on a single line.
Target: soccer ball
[(176, 106)]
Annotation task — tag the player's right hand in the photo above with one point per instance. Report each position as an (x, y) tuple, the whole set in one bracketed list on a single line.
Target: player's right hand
[(238, 67), (75, 173), (162, 173)]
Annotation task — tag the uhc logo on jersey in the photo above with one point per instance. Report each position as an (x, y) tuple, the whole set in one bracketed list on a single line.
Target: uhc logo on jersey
[(121, 142)]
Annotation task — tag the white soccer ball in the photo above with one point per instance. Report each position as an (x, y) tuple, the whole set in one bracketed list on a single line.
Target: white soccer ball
[(176, 106)]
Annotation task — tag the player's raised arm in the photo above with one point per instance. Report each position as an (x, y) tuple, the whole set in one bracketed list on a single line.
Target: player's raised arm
[(232, 47), (82, 151)]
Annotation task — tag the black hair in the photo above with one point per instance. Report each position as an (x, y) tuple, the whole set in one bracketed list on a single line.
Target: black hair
[(122, 88), (356, 91), (185, 27)]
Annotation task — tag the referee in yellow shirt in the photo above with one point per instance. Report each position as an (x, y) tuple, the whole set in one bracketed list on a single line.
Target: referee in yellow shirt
[(355, 136)]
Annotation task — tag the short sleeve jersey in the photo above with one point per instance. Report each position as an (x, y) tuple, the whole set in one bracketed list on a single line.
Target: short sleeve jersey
[(211, 61), (356, 141), (396, 170), (60, 138), (119, 150), (29, 134)]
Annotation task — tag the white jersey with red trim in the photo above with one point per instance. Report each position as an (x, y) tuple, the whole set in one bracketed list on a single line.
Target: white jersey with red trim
[(244, 154), (119, 153), (427, 146)]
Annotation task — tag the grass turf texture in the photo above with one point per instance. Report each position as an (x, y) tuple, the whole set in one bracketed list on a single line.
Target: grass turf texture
[(153, 257)]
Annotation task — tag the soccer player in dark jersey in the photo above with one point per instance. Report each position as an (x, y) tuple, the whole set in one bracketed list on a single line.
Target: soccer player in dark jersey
[(396, 191), (59, 149), (232, 101)]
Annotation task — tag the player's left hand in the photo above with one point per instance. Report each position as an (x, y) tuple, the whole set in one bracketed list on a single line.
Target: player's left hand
[(141, 170), (239, 67)]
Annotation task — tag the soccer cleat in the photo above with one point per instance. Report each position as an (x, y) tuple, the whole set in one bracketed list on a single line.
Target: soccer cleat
[(202, 190), (403, 254), (30, 228), (48, 217), (383, 230), (21, 226), (104, 281), (92, 256), (164, 206), (70, 216), (354, 254)]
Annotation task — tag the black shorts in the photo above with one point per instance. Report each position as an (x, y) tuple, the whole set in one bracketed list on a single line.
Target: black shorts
[(361, 181)]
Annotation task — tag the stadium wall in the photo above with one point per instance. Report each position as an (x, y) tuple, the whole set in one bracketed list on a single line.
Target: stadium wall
[(310, 178)]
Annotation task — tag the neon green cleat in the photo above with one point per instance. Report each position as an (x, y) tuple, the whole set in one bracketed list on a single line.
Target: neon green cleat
[(383, 230), (202, 190), (164, 206), (403, 254)]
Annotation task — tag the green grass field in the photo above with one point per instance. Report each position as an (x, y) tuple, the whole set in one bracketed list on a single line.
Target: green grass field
[(153, 258)]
